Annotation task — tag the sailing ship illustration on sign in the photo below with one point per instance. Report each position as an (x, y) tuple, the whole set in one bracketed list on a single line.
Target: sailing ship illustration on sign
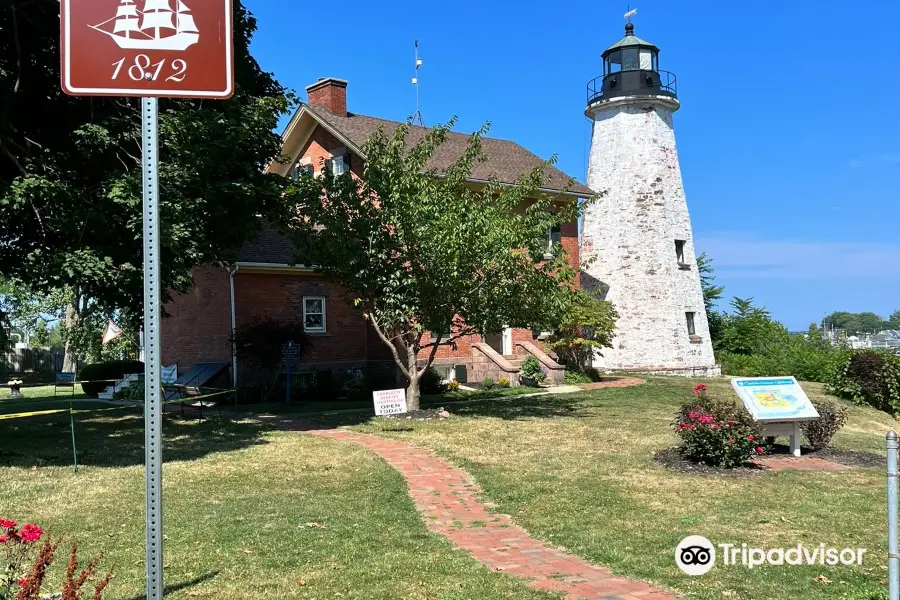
[(157, 27)]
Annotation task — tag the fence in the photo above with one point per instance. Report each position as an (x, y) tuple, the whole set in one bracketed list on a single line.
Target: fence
[(32, 360)]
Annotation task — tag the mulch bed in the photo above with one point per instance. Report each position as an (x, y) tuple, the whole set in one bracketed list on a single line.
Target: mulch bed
[(674, 459), (849, 458)]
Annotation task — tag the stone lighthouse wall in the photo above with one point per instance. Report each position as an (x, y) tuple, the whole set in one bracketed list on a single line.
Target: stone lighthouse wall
[(629, 242)]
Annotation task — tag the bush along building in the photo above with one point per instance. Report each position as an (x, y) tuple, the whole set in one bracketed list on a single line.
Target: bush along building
[(637, 240), (264, 283)]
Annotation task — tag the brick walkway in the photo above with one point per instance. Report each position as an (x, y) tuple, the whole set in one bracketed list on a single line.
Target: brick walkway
[(447, 498), (612, 382)]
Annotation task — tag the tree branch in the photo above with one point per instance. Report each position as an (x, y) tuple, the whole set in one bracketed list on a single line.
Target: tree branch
[(390, 345)]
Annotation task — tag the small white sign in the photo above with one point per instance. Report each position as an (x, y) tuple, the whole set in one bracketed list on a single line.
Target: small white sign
[(390, 402)]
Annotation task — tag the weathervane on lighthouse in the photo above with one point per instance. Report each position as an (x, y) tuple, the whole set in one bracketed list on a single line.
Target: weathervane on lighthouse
[(157, 27)]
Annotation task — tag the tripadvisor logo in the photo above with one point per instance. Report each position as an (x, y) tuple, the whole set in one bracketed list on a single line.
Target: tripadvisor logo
[(696, 555)]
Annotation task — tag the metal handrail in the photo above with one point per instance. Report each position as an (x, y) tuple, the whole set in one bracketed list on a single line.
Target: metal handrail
[(667, 83)]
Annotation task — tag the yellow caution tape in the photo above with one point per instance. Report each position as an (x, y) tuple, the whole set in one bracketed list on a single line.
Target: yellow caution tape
[(33, 414), (92, 410)]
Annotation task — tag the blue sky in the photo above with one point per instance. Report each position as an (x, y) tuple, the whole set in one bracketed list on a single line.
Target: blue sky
[(788, 135)]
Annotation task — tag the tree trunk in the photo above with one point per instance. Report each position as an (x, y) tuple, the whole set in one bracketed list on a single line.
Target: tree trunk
[(70, 360), (412, 390), (413, 395)]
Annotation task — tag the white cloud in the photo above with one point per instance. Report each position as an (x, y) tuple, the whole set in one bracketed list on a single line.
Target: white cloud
[(887, 157), (741, 255)]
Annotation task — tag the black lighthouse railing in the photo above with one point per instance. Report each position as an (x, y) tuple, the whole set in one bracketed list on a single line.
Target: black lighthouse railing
[(631, 83)]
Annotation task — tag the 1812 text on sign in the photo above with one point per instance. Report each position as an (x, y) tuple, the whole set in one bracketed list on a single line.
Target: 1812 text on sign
[(147, 48)]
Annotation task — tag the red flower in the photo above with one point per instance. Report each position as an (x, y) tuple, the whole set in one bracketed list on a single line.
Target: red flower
[(4, 539), (31, 533), (730, 441), (6, 523), (22, 582), (693, 415), (750, 437), (759, 450), (699, 389)]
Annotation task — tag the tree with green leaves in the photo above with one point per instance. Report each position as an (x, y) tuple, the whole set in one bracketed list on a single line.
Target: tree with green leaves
[(894, 320), (749, 328), (421, 250), (852, 323), (712, 293), (70, 188), (587, 327)]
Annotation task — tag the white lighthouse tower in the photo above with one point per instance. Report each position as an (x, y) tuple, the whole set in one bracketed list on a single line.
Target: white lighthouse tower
[(636, 239)]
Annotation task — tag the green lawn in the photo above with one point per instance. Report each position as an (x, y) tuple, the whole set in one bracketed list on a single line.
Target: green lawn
[(366, 406), (249, 513), (577, 470)]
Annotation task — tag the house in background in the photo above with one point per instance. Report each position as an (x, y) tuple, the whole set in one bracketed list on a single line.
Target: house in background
[(263, 282)]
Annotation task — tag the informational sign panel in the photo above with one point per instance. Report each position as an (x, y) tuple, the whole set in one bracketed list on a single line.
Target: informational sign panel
[(773, 399), (290, 354), (390, 402), (167, 48)]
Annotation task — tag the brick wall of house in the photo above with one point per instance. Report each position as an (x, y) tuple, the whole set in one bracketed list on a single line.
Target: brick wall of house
[(280, 296), (322, 146), (198, 328)]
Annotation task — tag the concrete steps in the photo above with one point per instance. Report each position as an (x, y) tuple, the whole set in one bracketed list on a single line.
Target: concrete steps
[(119, 385)]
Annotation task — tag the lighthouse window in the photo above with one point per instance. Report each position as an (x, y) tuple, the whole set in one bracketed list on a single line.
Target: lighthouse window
[(646, 60), (679, 251), (614, 62), (690, 323), (630, 59)]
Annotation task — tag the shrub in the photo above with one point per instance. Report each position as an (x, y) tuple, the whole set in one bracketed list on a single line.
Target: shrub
[(504, 382), (718, 433), (488, 383), (453, 386), (99, 376), (819, 432), (587, 326), (576, 377), (532, 371), (431, 382), (869, 377), (134, 392)]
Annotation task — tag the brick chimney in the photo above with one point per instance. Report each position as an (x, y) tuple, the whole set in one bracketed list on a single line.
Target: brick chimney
[(329, 93)]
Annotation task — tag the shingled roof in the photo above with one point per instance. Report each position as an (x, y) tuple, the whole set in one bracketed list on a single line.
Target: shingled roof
[(505, 162), (270, 247)]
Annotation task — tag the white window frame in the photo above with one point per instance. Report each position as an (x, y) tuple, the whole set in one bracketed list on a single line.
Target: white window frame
[(335, 160), (324, 327)]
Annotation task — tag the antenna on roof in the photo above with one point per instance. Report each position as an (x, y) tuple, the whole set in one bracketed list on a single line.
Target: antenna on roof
[(417, 118), (631, 12)]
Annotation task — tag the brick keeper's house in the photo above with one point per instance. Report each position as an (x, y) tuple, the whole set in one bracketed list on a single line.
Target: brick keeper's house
[(262, 282)]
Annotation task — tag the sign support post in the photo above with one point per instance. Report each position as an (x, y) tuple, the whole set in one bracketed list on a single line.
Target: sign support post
[(152, 386), (181, 52)]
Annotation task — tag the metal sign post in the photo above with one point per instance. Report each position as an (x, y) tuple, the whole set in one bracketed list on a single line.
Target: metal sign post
[(168, 50), (152, 408)]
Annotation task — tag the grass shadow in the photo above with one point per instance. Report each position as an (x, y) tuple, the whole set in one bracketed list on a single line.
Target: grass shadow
[(543, 406), (119, 441), (177, 587)]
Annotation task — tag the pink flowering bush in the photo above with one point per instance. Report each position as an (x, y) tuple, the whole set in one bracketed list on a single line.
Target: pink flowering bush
[(24, 576), (16, 546), (717, 432)]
